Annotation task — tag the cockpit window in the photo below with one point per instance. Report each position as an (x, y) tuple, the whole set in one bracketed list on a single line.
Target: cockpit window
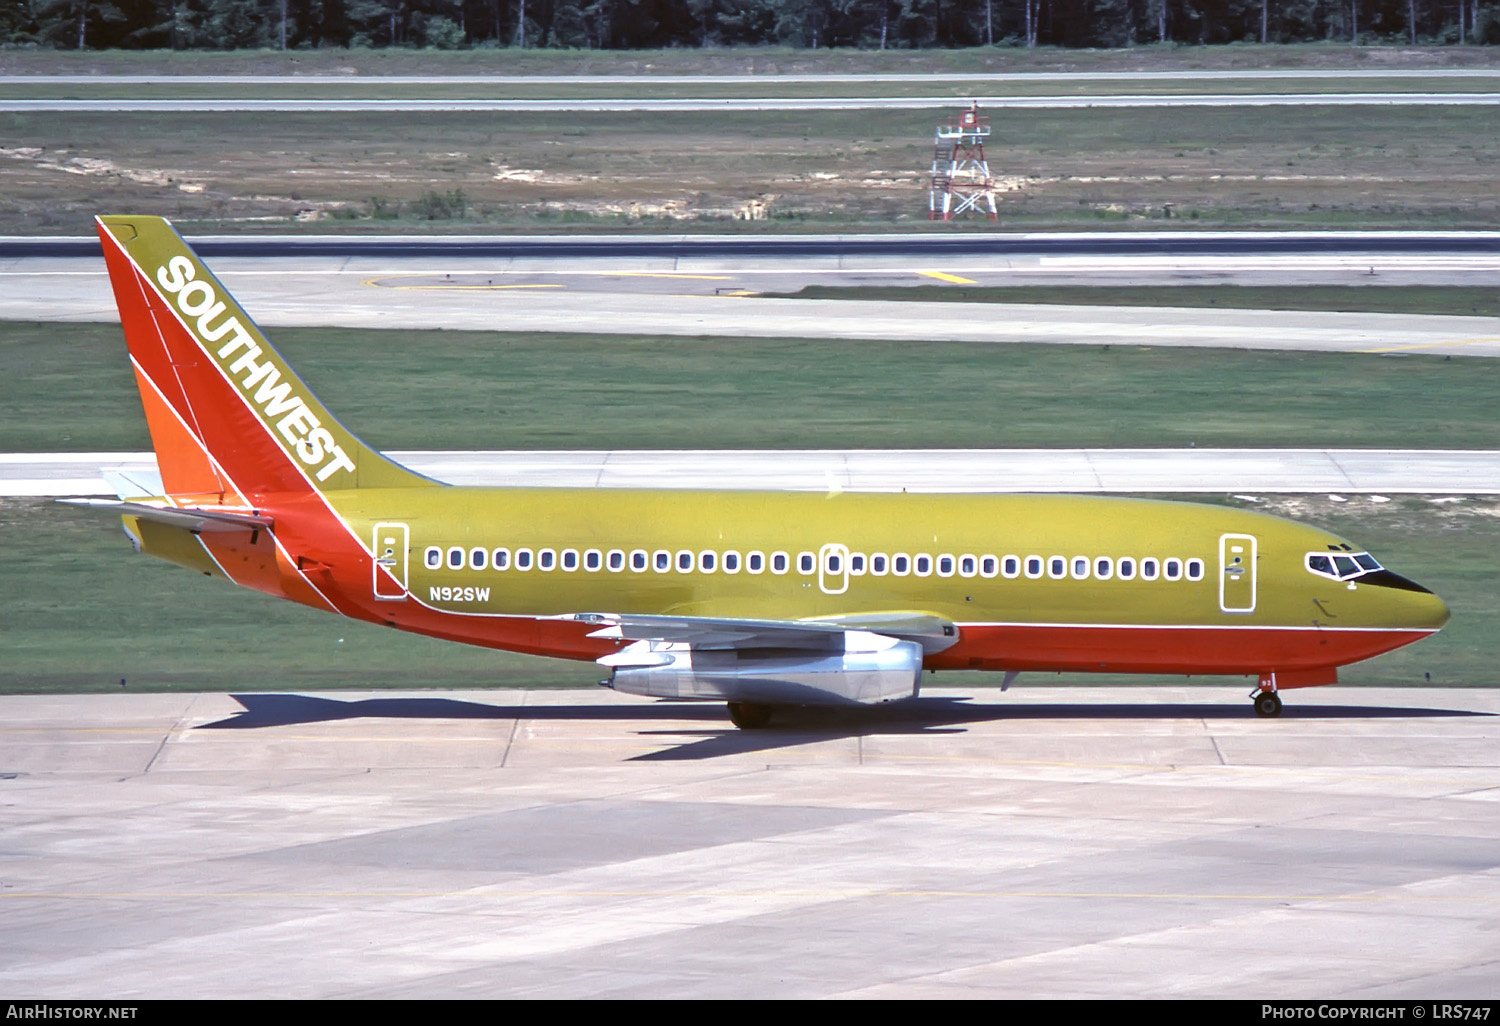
[(1341, 567)]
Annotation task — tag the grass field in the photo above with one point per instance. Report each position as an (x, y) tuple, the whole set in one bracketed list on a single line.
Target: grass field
[(81, 611), (1414, 299), (740, 60), (1312, 167), (68, 387)]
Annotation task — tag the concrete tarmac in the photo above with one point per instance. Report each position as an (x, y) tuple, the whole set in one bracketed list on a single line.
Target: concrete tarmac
[(1051, 842)]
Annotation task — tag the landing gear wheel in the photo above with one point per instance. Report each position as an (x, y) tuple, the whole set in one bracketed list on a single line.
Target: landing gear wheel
[(748, 715), (1268, 704)]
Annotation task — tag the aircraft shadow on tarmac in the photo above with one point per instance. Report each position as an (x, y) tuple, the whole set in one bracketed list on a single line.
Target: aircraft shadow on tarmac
[(792, 727)]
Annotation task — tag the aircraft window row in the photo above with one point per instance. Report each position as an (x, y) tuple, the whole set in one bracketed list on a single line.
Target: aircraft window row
[(1341, 566), (878, 564)]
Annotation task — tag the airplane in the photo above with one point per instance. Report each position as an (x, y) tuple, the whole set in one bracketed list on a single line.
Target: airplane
[(762, 600)]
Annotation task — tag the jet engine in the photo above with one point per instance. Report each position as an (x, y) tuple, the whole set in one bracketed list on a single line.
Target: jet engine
[(856, 667)]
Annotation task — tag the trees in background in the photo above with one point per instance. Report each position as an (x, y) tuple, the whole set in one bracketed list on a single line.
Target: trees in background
[(633, 24)]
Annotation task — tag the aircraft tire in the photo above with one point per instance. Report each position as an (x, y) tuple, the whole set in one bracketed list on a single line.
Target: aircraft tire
[(748, 715), (1268, 704)]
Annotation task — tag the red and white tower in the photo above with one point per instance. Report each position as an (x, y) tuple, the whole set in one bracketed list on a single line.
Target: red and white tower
[(961, 182)]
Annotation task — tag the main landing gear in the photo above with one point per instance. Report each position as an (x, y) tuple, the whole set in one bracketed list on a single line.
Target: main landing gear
[(748, 715), (1267, 703)]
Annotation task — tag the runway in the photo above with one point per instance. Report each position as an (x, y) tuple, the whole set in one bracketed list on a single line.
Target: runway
[(1373, 472), (732, 103), (1044, 843), (709, 287)]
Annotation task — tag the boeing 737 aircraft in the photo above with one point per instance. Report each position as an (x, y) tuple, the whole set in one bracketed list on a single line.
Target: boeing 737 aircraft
[(757, 599)]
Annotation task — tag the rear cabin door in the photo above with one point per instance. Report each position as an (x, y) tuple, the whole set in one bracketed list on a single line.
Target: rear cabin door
[(1237, 573), (391, 544)]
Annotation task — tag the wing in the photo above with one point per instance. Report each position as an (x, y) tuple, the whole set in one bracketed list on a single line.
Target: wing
[(932, 632)]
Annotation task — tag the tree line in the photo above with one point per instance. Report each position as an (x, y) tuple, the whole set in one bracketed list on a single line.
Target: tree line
[(643, 24)]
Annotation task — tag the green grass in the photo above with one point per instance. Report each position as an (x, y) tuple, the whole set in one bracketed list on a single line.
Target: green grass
[(80, 611), (1414, 299), (68, 387), (766, 60)]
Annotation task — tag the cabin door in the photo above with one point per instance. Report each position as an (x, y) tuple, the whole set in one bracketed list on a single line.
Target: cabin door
[(1237, 573), (388, 569)]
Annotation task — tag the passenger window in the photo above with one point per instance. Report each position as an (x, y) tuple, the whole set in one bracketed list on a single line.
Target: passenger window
[(989, 566), (1010, 566), (1080, 568), (879, 564), (570, 560), (755, 562), (500, 559), (433, 557), (1104, 568), (922, 565), (807, 562), (662, 561), (1126, 569), (900, 564), (685, 562), (945, 565), (638, 561), (615, 561), (592, 560), (1148, 569), (523, 559), (1033, 567), (857, 564), (1057, 568), (835, 563), (968, 566), (707, 560), (780, 562), (731, 562), (1172, 570), (1195, 569), (479, 558), (546, 559), (455, 558)]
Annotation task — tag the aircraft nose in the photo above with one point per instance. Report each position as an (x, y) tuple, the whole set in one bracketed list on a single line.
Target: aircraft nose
[(1423, 609)]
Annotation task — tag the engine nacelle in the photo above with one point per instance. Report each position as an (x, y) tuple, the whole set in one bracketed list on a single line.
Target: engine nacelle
[(858, 667)]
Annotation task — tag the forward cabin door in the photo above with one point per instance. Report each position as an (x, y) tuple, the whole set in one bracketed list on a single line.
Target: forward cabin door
[(1237, 573), (388, 569)]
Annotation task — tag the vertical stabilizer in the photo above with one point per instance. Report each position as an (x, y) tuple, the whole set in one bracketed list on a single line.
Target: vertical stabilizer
[(227, 413)]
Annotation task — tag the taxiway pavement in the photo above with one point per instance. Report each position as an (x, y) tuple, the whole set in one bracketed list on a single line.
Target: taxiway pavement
[(1048, 842), (714, 295), (1173, 471)]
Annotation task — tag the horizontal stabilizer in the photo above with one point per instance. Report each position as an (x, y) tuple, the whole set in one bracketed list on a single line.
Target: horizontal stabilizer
[(199, 520)]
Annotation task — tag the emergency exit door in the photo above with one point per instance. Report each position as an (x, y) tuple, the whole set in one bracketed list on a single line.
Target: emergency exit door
[(1237, 573)]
